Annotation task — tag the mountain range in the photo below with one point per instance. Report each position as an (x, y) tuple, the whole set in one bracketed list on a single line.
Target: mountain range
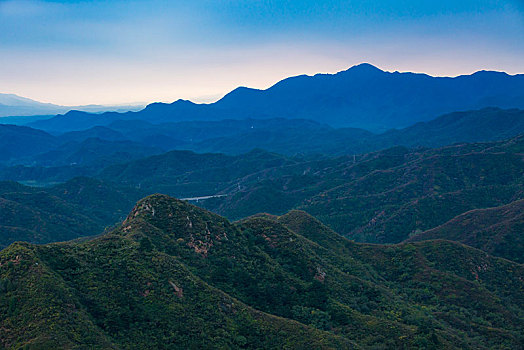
[(234, 137), (363, 209), (362, 96), (495, 230), (387, 196)]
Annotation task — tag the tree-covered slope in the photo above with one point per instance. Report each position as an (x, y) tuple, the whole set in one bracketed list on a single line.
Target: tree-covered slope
[(381, 197), (498, 231), (188, 174), (80, 207), (177, 276), (425, 190), (385, 196)]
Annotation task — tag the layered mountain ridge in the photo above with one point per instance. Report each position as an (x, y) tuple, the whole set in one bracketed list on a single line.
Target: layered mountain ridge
[(374, 210), (380, 197)]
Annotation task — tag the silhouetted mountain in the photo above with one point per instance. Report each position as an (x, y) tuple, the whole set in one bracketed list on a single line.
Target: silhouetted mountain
[(76, 120), (488, 124), (190, 134), (298, 136), (362, 96), (13, 105), (98, 132), (174, 275), (292, 139)]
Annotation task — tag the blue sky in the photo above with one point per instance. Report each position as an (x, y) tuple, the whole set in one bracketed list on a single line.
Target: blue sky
[(80, 52)]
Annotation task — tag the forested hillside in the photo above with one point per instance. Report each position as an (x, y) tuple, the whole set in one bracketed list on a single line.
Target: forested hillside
[(270, 282), (78, 208), (498, 231)]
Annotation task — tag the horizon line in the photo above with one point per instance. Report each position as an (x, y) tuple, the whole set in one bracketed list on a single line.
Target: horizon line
[(210, 99)]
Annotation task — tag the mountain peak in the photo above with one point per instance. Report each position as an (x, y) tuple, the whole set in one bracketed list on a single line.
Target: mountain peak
[(155, 206), (231, 98), (167, 220), (489, 73), (311, 228), (182, 102), (365, 68)]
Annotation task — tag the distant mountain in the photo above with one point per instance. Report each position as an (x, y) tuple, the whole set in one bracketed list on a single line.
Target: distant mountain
[(499, 230), (78, 153), (292, 136), (176, 276), (362, 97), (384, 196), (380, 197), (13, 105), (188, 174), (488, 124), (17, 142), (366, 97), (73, 159), (97, 132), (190, 135), (94, 153)]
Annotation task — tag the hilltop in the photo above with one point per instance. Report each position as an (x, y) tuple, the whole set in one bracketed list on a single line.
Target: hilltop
[(174, 274)]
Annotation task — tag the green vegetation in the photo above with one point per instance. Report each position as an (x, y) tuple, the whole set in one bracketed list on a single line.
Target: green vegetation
[(188, 174), (382, 197), (175, 275), (345, 238), (386, 196), (498, 231), (80, 207)]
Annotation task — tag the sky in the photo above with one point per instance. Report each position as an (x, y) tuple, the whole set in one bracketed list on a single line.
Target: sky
[(135, 51)]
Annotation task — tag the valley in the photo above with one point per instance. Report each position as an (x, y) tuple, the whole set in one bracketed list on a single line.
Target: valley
[(281, 218)]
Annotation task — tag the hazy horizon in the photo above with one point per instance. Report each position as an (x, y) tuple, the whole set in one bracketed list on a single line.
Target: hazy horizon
[(73, 52), (216, 97)]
